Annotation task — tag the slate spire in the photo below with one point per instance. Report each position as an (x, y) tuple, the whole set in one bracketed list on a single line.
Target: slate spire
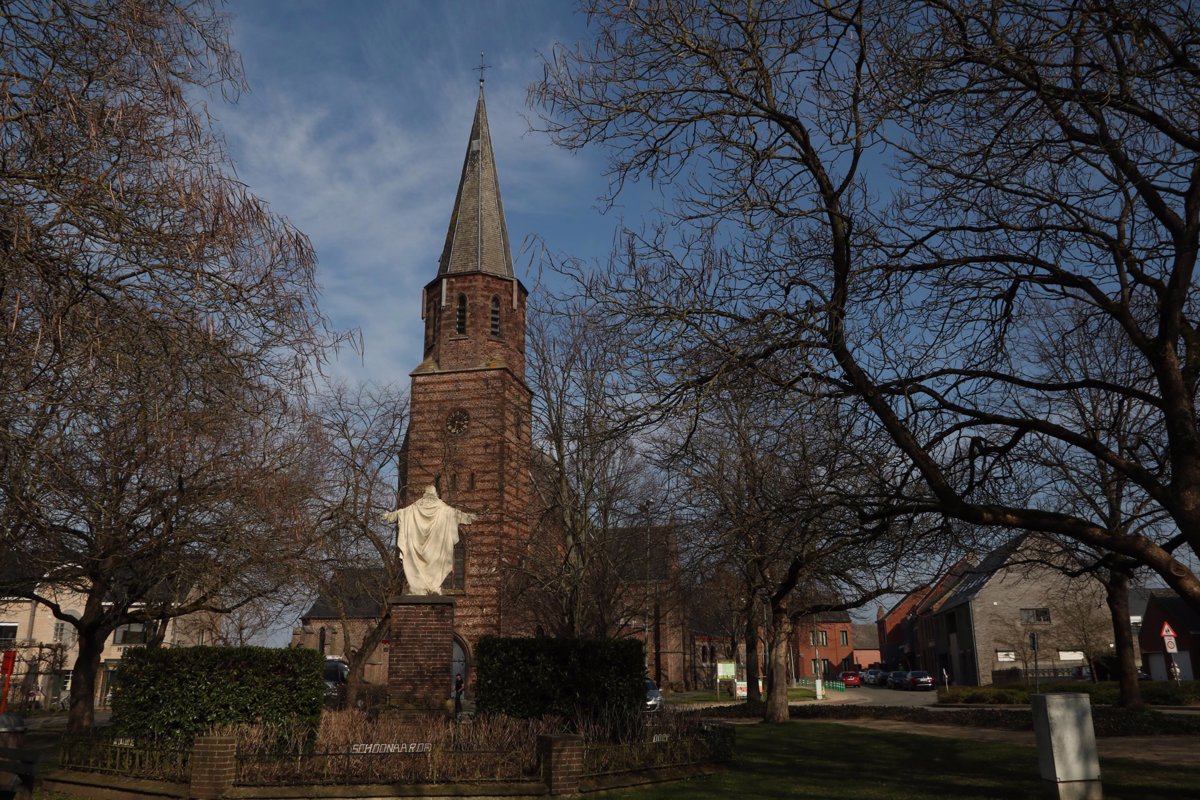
[(477, 240)]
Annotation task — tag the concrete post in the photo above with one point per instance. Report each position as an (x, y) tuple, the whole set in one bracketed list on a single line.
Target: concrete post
[(1066, 743), (214, 767)]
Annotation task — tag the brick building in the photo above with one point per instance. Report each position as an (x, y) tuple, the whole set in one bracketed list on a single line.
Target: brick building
[(47, 647), (1165, 606), (823, 644), (973, 625), (469, 424), (469, 435)]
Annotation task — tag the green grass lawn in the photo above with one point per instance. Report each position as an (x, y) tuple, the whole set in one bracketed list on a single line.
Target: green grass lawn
[(822, 760), (796, 694)]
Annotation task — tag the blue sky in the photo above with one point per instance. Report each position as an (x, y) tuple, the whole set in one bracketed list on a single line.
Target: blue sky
[(355, 128)]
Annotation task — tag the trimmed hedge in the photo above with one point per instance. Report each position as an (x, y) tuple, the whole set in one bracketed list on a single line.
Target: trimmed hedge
[(178, 693), (574, 678), (1155, 693), (1106, 721)]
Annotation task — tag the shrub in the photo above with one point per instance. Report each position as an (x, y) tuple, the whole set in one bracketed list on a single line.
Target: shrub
[(1105, 693), (573, 678), (1106, 721), (175, 694)]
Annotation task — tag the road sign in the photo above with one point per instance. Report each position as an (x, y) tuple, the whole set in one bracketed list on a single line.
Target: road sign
[(1167, 631), (1169, 641)]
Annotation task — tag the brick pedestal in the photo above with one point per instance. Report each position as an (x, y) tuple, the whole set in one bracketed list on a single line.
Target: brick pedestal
[(421, 651)]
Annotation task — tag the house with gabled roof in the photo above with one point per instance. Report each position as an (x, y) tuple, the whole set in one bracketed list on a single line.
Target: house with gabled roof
[(897, 628), (1168, 615), (1010, 617)]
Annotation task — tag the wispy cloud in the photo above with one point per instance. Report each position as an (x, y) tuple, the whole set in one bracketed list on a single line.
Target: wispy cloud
[(356, 128)]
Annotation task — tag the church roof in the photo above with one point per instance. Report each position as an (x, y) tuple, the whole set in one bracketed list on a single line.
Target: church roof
[(477, 240)]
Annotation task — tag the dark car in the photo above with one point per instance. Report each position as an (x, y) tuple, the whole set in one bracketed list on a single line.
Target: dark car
[(895, 680), (850, 678), (654, 698), (336, 675), (919, 679)]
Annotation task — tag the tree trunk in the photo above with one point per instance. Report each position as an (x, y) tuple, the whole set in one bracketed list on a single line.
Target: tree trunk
[(82, 716), (356, 660), (753, 695), (1116, 595), (777, 690)]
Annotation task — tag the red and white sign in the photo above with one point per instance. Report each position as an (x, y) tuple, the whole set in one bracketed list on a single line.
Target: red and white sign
[(1167, 630), (1170, 645)]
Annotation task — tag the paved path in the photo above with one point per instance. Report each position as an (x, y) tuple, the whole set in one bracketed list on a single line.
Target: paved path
[(1168, 750)]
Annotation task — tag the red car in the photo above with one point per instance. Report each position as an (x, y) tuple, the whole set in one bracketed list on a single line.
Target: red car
[(850, 678)]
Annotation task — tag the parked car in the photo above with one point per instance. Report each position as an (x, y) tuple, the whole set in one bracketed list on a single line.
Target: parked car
[(850, 678), (871, 677), (895, 680), (654, 698), (919, 679), (336, 674)]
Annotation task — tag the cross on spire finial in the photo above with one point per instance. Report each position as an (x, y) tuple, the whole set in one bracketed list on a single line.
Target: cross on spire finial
[(482, 66)]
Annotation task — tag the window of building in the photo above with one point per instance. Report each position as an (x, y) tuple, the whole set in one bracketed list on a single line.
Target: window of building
[(824, 638), (495, 316), (1006, 655), (8, 634), (456, 580), (816, 667), (60, 632), (1031, 616), (460, 319), (133, 633), (818, 638), (845, 638)]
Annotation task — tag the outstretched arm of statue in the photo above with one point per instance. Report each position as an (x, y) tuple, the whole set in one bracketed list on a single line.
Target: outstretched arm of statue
[(391, 516)]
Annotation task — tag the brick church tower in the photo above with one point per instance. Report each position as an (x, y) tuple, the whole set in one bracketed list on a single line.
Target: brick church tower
[(469, 425)]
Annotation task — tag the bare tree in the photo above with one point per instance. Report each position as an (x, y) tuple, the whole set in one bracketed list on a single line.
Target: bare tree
[(357, 563), (599, 502), (774, 482), (899, 193), (154, 316), (150, 498), (1083, 624)]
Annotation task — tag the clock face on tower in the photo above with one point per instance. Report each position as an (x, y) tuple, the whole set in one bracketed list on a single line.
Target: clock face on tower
[(457, 422)]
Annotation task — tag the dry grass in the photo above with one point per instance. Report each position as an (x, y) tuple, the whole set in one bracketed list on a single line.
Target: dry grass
[(414, 751)]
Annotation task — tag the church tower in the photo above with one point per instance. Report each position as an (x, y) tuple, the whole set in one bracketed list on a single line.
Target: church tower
[(469, 424)]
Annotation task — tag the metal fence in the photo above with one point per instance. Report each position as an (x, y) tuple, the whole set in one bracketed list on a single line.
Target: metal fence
[(1015, 675), (438, 765), (116, 756)]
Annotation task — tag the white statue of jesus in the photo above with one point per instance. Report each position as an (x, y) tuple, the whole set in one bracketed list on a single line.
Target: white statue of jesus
[(426, 533)]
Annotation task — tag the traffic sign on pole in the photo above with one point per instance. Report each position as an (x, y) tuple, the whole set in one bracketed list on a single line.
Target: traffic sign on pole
[(1169, 642), (1167, 631)]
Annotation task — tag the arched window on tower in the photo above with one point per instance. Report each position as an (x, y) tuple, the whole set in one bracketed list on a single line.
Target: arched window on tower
[(495, 316), (456, 580), (460, 321)]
